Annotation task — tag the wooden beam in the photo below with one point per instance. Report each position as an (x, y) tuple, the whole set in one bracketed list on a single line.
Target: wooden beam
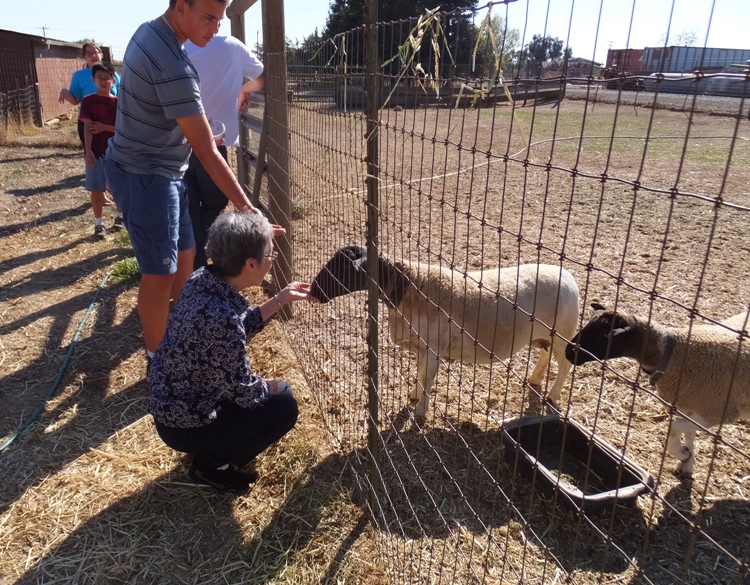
[(239, 7)]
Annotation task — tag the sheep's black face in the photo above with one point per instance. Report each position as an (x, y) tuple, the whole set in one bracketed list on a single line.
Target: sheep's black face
[(605, 336), (344, 273)]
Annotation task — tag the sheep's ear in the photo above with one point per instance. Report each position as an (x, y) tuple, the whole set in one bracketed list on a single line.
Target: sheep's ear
[(357, 256), (598, 307), (360, 264), (621, 326)]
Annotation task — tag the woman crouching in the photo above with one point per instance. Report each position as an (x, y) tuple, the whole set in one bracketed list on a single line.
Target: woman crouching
[(205, 399)]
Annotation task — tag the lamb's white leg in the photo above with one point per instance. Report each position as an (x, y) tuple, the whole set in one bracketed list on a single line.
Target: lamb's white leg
[(563, 369), (681, 445), (541, 366), (427, 367)]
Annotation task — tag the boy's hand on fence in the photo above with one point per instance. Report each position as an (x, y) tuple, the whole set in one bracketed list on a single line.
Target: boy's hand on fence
[(278, 230)]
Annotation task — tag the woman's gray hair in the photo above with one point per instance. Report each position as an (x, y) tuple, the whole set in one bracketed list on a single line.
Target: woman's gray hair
[(235, 237)]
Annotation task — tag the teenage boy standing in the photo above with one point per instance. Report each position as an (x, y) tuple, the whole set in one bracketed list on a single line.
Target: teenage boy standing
[(160, 117)]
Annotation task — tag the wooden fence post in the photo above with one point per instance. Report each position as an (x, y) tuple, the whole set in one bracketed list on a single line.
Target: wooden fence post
[(277, 135)]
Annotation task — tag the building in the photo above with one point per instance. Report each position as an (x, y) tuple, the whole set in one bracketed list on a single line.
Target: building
[(576, 70), (33, 69)]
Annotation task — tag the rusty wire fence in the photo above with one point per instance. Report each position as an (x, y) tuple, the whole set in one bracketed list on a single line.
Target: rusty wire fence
[(30, 111), (647, 207)]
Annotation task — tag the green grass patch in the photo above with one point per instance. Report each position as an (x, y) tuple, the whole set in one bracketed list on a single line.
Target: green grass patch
[(122, 239), (126, 270)]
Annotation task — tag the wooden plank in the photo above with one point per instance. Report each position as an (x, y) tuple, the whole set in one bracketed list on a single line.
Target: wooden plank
[(238, 8)]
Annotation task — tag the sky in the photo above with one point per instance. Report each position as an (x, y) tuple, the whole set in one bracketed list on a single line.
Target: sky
[(575, 21)]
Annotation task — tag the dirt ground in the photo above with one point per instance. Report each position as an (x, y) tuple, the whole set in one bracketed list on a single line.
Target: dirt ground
[(660, 227), (90, 495)]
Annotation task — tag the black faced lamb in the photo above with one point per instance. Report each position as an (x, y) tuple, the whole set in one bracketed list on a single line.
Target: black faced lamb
[(703, 371), (473, 317)]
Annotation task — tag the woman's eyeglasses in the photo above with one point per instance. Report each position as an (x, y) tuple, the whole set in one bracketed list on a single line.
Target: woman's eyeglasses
[(92, 53), (273, 255)]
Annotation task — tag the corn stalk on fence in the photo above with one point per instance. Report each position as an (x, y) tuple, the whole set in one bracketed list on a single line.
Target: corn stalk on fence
[(430, 142)]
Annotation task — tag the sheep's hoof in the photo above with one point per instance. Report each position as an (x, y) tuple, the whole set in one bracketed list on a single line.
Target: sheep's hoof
[(420, 408), (551, 405), (684, 470)]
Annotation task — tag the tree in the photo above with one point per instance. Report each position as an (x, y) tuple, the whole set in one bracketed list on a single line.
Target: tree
[(545, 48), (686, 38), (457, 29), (344, 15), (87, 40), (312, 40), (539, 50), (506, 44)]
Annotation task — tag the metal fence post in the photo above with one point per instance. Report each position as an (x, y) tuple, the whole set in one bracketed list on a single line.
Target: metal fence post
[(372, 107)]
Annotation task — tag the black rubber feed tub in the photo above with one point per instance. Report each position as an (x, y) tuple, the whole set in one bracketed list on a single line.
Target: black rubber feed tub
[(588, 473)]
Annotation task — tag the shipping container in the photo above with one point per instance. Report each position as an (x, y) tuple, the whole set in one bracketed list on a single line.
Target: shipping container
[(624, 60), (682, 59)]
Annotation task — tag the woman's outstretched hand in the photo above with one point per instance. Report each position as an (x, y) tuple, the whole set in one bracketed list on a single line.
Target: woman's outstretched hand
[(294, 291)]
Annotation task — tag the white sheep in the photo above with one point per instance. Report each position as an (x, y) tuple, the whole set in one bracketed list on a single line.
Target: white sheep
[(473, 317), (703, 371)]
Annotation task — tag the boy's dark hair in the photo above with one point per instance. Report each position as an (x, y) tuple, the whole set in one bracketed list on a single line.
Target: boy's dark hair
[(102, 66)]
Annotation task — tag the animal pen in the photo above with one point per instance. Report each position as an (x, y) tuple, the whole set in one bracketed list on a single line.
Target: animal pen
[(404, 140), (424, 141)]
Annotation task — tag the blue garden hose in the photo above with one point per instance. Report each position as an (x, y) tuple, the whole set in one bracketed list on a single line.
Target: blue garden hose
[(27, 423)]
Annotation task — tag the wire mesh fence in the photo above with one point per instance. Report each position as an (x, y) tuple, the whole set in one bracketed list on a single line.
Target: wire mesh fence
[(485, 163)]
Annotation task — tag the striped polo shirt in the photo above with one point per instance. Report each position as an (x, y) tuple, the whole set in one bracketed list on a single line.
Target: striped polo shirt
[(159, 84)]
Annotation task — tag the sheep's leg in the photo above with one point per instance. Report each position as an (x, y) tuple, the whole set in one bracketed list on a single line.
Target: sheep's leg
[(427, 367), (541, 366), (563, 369), (681, 445)]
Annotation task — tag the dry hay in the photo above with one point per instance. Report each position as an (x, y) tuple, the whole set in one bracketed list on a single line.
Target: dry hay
[(89, 492), (91, 495), (450, 502)]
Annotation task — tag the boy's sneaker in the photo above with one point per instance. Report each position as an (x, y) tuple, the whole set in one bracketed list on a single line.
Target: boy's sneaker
[(229, 479), (100, 231), (119, 223)]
